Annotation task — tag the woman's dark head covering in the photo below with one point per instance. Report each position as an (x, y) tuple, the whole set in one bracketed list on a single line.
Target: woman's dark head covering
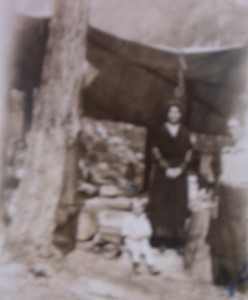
[(176, 103), (162, 112), (170, 104)]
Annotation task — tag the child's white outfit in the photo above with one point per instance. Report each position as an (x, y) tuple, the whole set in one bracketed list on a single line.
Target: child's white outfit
[(137, 231)]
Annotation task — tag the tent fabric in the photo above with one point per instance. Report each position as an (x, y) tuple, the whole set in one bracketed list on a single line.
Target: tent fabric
[(136, 81), (181, 23)]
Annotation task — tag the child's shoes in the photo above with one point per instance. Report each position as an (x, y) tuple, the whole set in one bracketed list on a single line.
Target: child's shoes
[(153, 271), (136, 268)]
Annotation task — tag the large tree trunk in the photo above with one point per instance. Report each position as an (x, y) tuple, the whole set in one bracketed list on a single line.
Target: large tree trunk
[(51, 176), (7, 41)]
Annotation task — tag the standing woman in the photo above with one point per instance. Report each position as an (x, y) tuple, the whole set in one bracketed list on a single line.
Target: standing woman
[(172, 152)]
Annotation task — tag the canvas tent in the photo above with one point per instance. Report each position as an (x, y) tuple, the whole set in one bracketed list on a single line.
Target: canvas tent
[(136, 81), (130, 45), (137, 70)]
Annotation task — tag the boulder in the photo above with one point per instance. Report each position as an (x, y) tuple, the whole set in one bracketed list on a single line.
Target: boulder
[(87, 189), (87, 226), (98, 203), (115, 140), (109, 191), (101, 130)]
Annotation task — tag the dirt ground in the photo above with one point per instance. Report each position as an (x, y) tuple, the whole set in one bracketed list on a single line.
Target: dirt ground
[(83, 275)]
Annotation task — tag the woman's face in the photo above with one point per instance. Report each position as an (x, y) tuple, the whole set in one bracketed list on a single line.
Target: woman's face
[(174, 115), (234, 129)]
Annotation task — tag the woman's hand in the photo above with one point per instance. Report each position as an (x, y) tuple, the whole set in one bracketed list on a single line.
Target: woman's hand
[(163, 164), (173, 172)]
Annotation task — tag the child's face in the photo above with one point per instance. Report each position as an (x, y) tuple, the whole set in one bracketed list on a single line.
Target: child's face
[(137, 209), (205, 194)]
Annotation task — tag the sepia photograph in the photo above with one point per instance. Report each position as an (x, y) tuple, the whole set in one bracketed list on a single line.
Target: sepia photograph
[(124, 150)]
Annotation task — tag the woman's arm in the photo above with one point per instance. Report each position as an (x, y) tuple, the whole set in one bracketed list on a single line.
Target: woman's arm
[(189, 154), (187, 159), (159, 158)]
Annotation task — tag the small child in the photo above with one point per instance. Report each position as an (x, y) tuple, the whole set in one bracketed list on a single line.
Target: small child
[(203, 208), (137, 232)]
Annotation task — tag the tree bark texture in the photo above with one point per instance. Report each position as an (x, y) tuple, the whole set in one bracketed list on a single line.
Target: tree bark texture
[(51, 165), (7, 35)]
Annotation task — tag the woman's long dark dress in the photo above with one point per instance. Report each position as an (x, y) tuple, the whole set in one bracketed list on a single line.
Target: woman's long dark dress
[(168, 200)]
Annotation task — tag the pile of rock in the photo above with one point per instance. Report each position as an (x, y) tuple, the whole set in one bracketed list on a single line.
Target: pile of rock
[(112, 158), (111, 169)]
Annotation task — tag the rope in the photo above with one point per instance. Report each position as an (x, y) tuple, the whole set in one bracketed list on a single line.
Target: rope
[(180, 89)]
